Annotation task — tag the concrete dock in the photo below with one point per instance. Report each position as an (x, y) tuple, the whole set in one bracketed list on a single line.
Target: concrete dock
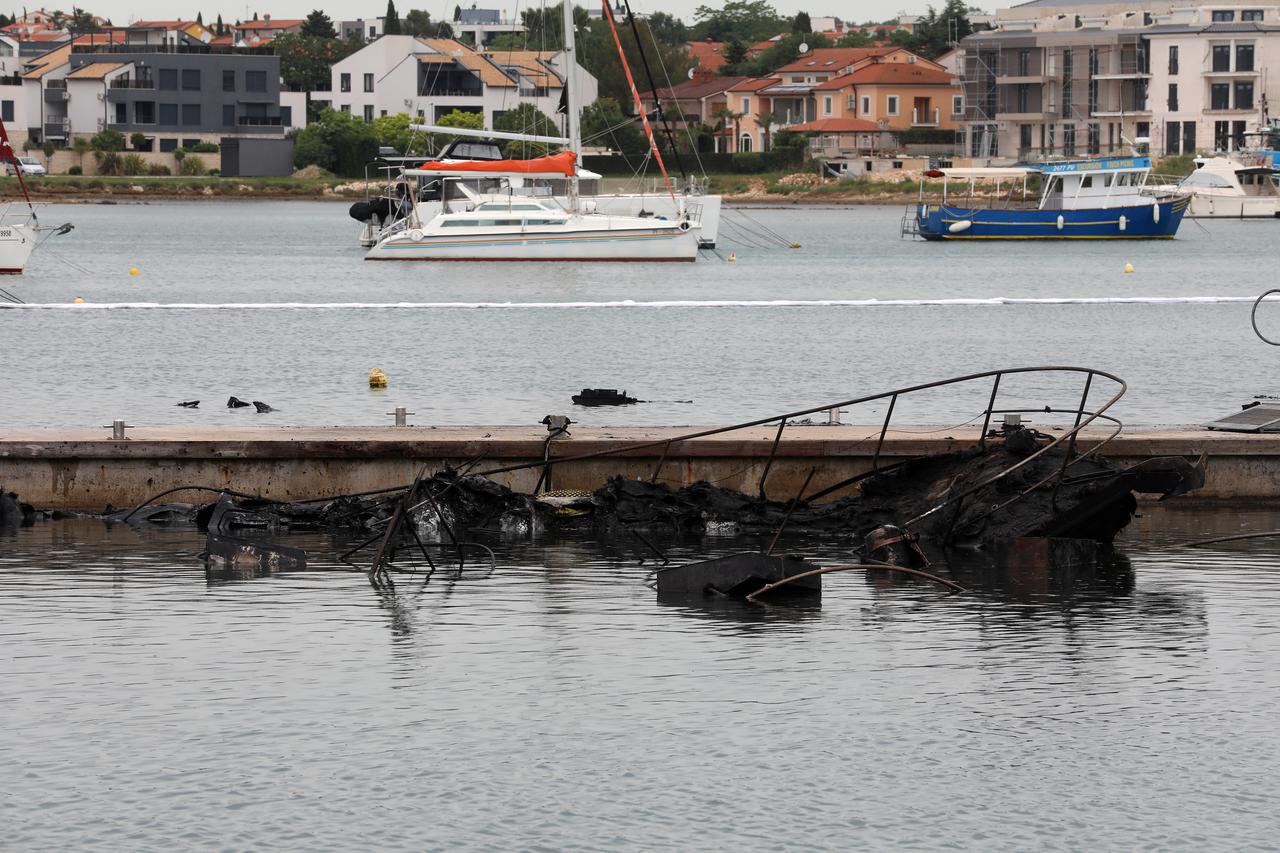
[(85, 469)]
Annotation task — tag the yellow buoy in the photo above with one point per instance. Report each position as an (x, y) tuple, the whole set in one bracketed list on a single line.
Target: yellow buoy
[(733, 256), (133, 270), (1128, 267), (79, 300), (795, 245), (377, 378)]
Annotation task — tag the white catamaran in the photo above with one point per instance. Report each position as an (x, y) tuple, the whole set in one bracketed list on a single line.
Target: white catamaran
[(448, 218)]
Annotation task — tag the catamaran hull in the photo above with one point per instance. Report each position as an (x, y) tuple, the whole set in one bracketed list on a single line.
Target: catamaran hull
[(626, 204), (668, 244), (1133, 222), (17, 242)]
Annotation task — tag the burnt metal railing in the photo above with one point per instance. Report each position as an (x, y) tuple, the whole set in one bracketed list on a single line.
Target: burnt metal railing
[(1083, 417)]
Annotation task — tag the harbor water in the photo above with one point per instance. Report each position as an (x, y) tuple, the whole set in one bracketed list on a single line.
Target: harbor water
[(273, 301), (553, 704)]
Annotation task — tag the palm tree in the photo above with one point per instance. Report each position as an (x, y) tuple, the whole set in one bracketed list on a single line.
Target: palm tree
[(767, 121), (725, 114), (80, 145)]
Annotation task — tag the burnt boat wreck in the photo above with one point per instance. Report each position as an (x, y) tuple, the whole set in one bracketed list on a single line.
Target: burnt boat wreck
[(1013, 484)]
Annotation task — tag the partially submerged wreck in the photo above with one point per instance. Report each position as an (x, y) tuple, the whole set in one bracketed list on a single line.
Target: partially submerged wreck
[(1013, 484)]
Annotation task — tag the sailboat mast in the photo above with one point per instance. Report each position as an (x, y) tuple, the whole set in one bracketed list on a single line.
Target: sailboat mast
[(635, 95), (572, 98)]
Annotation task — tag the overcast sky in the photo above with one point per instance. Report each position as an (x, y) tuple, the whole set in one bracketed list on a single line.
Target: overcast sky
[(123, 11)]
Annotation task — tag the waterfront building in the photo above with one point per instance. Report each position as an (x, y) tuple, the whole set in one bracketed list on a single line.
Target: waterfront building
[(1087, 78), (430, 78), (263, 30), (361, 28), (890, 88), (162, 83)]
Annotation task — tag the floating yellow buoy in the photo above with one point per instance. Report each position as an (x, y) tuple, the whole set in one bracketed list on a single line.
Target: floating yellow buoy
[(79, 300), (1128, 267), (795, 245), (377, 378), (133, 270), (733, 256)]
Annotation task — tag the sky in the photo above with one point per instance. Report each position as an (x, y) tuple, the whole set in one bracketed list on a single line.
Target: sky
[(123, 11)]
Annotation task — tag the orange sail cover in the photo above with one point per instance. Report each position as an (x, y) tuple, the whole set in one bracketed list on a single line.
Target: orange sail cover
[(560, 164)]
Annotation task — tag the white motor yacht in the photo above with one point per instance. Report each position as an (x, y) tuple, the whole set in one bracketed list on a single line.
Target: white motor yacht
[(1230, 188)]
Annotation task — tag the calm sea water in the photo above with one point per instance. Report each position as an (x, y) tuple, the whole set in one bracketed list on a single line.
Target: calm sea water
[(455, 363), (556, 705)]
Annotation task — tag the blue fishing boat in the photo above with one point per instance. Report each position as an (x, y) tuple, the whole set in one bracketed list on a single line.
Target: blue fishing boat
[(1099, 199)]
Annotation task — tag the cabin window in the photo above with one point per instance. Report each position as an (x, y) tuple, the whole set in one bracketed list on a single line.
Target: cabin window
[(1173, 59), (1244, 57), (1251, 15), (1107, 180), (1086, 183)]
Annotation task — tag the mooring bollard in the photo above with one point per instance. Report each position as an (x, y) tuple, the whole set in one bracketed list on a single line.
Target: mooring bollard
[(117, 428), (833, 415), (402, 416)]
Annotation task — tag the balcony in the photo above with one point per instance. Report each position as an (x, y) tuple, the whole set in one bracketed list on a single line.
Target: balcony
[(56, 128), (1249, 73), (928, 119), (127, 83), (258, 121), (55, 95)]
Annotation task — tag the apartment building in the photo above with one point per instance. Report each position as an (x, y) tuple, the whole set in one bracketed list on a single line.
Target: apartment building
[(429, 78), (1059, 80), (174, 94)]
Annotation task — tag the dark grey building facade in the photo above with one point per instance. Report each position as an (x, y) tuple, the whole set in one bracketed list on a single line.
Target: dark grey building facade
[(176, 95)]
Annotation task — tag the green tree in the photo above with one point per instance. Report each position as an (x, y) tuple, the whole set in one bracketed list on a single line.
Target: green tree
[(107, 140), (668, 29), (391, 21), (802, 25), (219, 29), (605, 124), (784, 51), (319, 25), (306, 61), (336, 141), (526, 118), (766, 121), (748, 21), (394, 131), (727, 116), (417, 22), (200, 18), (735, 53), (855, 38), (935, 31), (599, 55), (80, 145), (82, 22)]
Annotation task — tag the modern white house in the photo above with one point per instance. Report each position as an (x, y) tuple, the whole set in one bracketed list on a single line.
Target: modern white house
[(429, 78), (477, 26)]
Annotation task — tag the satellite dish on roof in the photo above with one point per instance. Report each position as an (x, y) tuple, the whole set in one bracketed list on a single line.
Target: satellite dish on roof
[(690, 73), (804, 47)]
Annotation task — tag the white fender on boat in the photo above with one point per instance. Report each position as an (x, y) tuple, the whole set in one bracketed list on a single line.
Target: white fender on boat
[(1122, 222), (1061, 221), (1155, 212), (960, 226)]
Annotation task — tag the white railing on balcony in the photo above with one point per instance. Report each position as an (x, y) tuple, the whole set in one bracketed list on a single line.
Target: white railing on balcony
[(928, 119)]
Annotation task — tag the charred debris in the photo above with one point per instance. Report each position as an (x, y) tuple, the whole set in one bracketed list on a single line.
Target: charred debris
[(1018, 493)]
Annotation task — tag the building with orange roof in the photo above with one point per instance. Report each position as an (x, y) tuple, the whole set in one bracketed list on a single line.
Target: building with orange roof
[(429, 78), (897, 96), (693, 101), (708, 58), (265, 29)]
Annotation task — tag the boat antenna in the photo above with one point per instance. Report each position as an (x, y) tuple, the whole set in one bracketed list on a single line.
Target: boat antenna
[(653, 88), (7, 154), (635, 95)]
